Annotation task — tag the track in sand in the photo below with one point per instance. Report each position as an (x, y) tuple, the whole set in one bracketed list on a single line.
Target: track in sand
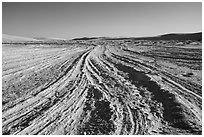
[(95, 89)]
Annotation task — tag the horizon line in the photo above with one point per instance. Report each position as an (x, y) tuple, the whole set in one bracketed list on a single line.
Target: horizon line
[(103, 36)]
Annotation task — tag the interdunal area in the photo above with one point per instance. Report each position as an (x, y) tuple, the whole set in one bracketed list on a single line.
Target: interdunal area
[(102, 85)]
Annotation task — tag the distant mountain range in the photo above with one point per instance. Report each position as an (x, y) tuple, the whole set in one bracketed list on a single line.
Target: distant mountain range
[(190, 36), (174, 36), (47, 38), (10, 38)]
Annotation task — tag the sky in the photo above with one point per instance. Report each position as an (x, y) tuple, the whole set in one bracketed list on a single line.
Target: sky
[(71, 20)]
